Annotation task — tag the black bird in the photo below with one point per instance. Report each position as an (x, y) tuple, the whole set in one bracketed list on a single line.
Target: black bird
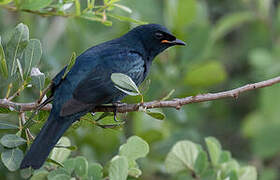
[(89, 83)]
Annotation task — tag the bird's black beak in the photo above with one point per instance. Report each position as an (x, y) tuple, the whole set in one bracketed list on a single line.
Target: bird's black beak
[(175, 42)]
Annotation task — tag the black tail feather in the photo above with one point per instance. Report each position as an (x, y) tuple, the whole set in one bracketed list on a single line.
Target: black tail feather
[(49, 135)]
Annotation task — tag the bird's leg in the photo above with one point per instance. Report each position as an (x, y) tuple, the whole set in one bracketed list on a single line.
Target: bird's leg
[(115, 114), (115, 106)]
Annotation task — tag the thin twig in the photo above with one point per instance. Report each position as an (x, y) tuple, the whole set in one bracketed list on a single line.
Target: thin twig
[(27, 131), (17, 93), (44, 14), (174, 103), (44, 92)]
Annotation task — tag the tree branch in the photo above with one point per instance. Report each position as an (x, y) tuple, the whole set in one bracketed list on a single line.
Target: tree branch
[(174, 103)]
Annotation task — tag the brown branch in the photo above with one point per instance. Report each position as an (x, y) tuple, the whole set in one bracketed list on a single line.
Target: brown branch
[(174, 103)]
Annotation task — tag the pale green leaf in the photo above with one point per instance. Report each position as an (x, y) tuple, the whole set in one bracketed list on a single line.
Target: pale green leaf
[(155, 114), (128, 92), (61, 177), (12, 140), (201, 162), (70, 64), (4, 125), (32, 55), (118, 169), (168, 95), (134, 172), (56, 172), (61, 154), (54, 162), (16, 46), (247, 173), (81, 166), (20, 69), (182, 156), (95, 171), (214, 149), (134, 148), (40, 175), (4, 68), (12, 158), (125, 8), (124, 82)]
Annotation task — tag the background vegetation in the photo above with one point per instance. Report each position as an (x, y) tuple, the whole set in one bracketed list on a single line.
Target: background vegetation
[(229, 44)]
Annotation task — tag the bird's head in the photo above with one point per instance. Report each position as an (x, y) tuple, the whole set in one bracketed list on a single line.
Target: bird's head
[(155, 38)]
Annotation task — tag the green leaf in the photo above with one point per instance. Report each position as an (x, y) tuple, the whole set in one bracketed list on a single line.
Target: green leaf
[(127, 92), (124, 18), (225, 157), (16, 46), (34, 4), (125, 8), (4, 68), (54, 162), (61, 154), (61, 177), (3, 2), (70, 64), (81, 166), (37, 78), (40, 175), (26, 173), (134, 172), (118, 169), (247, 173), (230, 22), (168, 95), (20, 69), (4, 125), (155, 114), (183, 155), (201, 162), (95, 171), (12, 140), (12, 158), (214, 149), (134, 148), (69, 165), (32, 55), (58, 171), (206, 74), (124, 83)]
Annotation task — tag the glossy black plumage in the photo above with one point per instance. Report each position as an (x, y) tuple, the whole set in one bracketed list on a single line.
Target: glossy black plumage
[(88, 82)]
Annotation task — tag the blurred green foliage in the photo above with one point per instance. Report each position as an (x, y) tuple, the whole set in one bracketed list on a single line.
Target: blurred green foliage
[(229, 44)]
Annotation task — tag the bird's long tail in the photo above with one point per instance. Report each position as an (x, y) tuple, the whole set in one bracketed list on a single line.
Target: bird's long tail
[(46, 140)]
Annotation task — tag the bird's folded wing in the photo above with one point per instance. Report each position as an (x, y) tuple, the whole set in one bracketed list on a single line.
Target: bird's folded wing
[(97, 87)]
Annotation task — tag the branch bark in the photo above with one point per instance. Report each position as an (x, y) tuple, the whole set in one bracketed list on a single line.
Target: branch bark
[(174, 103)]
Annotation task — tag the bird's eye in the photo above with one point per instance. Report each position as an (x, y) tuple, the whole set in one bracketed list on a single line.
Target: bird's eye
[(159, 35)]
